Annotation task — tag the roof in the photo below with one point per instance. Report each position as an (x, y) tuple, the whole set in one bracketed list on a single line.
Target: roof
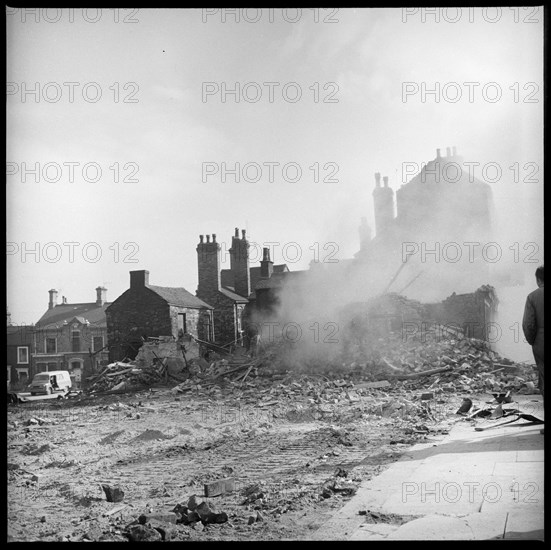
[(226, 275), (255, 272), (19, 334), (436, 172), (233, 296), (277, 280), (90, 312), (179, 297)]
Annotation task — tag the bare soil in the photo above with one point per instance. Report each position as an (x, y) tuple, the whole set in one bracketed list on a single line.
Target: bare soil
[(161, 447)]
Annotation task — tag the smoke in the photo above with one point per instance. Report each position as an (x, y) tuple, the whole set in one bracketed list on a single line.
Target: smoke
[(448, 240)]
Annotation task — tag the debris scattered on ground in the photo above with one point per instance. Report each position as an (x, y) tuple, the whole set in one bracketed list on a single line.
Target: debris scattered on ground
[(224, 448), (113, 494)]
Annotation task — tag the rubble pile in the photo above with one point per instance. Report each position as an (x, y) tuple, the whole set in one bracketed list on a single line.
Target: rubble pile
[(440, 360), (119, 376), (443, 359)]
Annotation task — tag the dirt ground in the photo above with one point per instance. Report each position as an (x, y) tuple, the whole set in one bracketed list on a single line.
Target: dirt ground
[(295, 460)]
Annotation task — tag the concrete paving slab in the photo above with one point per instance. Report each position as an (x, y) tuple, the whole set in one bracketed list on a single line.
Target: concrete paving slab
[(434, 527), (440, 493), (530, 455), (467, 461), (486, 526), (531, 471), (528, 526), (374, 531), (523, 499), (489, 484)]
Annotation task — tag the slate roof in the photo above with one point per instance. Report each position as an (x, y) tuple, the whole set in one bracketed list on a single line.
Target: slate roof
[(19, 335), (434, 172), (67, 312), (226, 275), (233, 296), (277, 280), (179, 297)]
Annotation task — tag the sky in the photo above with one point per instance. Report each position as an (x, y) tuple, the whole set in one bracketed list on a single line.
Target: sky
[(123, 133)]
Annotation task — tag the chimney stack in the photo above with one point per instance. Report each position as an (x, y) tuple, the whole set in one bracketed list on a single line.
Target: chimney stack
[(365, 234), (448, 152), (208, 264), (63, 300), (377, 179), (383, 203), (101, 295), (266, 265), (53, 298), (139, 279), (438, 154), (239, 264)]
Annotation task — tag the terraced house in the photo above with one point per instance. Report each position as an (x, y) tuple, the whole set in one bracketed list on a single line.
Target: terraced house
[(71, 336), (18, 354)]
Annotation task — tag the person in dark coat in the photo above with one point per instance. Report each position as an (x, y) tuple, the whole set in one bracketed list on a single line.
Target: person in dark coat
[(532, 326)]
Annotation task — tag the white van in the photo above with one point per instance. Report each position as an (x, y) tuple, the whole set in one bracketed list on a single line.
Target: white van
[(54, 381)]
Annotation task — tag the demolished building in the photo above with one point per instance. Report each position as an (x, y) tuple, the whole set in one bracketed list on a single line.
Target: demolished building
[(415, 248), (144, 311)]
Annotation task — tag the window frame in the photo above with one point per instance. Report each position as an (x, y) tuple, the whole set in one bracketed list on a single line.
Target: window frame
[(19, 349), (94, 343), (54, 338)]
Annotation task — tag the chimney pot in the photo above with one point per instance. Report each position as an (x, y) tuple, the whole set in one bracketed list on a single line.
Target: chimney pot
[(378, 179), (243, 233), (454, 151), (237, 233), (201, 238), (385, 179), (448, 152), (214, 237), (438, 153), (208, 238)]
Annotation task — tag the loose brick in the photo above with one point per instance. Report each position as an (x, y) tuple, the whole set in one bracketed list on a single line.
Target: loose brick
[(219, 487)]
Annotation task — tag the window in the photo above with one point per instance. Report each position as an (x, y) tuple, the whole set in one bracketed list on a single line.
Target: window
[(52, 366), (75, 340), (182, 322), (98, 343), (23, 355), (51, 345), (41, 367), (207, 329)]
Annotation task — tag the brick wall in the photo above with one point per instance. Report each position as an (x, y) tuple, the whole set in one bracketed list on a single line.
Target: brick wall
[(192, 320), (65, 357), (466, 311), (208, 264), (136, 313), (239, 258), (223, 316)]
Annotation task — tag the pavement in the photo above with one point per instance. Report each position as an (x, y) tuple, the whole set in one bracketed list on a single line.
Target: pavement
[(468, 485)]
